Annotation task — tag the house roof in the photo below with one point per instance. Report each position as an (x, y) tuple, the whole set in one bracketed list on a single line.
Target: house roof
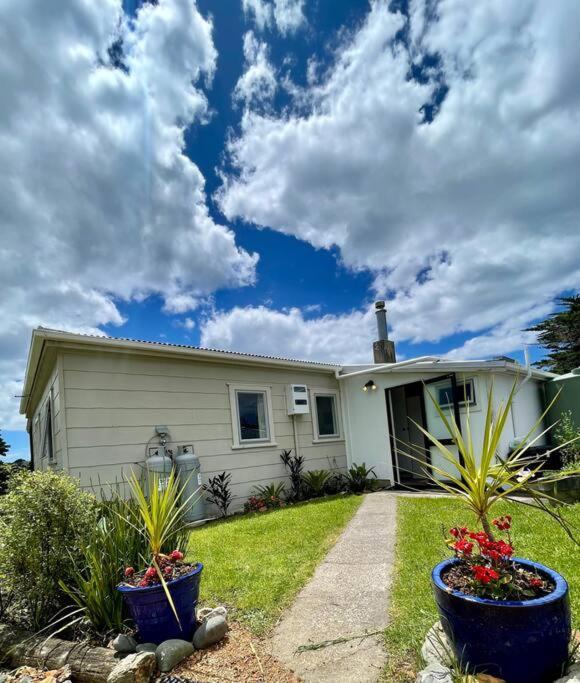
[(42, 335)]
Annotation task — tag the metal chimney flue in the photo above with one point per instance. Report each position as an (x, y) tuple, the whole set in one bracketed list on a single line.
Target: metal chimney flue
[(383, 349)]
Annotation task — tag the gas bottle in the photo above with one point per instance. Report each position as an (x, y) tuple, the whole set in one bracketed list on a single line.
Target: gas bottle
[(158, 467), (189, 472)]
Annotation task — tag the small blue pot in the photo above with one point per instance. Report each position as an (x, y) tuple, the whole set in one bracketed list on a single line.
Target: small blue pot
[(152, 613), (520, 641)]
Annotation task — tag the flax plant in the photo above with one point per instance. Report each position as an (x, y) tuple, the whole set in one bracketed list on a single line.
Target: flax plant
[(483, 478), (159, 514)]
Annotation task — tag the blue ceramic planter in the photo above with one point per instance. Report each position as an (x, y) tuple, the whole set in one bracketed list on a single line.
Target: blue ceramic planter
[(519, 641), (152, 612)]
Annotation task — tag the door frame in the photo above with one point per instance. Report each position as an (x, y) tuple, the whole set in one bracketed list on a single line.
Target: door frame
[(390, 420)]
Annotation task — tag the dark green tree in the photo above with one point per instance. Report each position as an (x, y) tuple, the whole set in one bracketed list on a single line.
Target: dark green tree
[(559, 333), (4, 468), (4, 447)]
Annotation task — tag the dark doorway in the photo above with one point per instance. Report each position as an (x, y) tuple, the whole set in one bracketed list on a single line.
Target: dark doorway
[(406, 408)]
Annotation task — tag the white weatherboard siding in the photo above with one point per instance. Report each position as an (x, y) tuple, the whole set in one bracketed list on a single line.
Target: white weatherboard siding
[(114, 400)]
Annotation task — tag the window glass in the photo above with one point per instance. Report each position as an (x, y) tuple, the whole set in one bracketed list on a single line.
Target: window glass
[(464, 393), (252, 415), (326, 416)]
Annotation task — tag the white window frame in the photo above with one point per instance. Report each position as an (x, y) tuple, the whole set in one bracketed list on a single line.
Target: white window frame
[(322, 438), (47, 421), (473, 404), (238, 443)]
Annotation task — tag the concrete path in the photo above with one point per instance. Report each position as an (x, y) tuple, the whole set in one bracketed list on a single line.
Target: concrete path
[(347, 596)]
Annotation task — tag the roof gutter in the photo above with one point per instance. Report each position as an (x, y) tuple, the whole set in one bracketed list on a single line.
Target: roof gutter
[(387, 367)]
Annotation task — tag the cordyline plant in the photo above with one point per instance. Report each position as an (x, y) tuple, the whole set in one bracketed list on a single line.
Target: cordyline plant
[(483, 478), (159, 515)]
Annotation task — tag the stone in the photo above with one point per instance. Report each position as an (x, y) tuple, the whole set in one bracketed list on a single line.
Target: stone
[(206, 612), (487, 678), (171, 652), (573, 675), (437, 648), (210, 631), (146, 647), (136, 668), (435, 673), (123, 643)]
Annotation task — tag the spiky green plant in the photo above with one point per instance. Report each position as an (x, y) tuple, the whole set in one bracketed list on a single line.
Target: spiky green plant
[(480, 477), (316, 481)]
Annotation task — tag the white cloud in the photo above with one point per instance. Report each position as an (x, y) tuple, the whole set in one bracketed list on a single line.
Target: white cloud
[(286, 15), (470, 222), (257, 85), (98, 201), (330, 338)]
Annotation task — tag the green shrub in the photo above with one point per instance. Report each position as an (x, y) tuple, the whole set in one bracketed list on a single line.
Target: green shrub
[(567, 431), (114, 543), (45, 520), (272, 490), (316, 482), (358, 478)]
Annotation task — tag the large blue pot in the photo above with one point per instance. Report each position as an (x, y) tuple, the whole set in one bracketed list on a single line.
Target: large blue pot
[(152, 613), (519, 641)]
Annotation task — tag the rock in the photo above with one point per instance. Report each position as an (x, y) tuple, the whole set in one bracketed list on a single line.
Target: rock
[(210, 631), (486, 678), (25, 679), (437, 648), (435, 673), (123, 643), (171, 652), (207, 612), (146, 647), (573, 675), (136, 668)]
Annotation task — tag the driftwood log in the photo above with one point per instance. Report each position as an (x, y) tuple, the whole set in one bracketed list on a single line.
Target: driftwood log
[(88, 664)]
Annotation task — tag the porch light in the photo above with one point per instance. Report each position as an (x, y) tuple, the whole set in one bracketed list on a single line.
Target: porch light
[(370, 385)]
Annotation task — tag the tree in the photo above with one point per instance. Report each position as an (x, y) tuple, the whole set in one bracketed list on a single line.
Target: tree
[(559, 333), (4, 447)]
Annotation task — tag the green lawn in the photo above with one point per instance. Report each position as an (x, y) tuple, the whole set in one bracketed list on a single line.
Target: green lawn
[(421, 523), (257, 563)]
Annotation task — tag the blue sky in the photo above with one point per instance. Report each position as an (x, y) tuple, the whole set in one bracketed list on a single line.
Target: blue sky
[(256, 183)]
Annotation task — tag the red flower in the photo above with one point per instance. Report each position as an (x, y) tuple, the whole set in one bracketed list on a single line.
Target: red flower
[(454, 532), (129, 571), (143, 583), (536, 583), (151, 573), (484, 574), (176, 555), (168, 570), (463, 546), (503, 523)]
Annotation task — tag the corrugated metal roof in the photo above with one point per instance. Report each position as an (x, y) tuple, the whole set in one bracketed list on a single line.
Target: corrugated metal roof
[(234, 354)]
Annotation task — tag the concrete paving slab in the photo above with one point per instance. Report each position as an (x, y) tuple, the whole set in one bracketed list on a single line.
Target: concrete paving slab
[(347, 597)]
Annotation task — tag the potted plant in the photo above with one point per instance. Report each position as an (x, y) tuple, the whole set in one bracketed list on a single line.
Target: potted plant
[(505, 616), (162, 596)]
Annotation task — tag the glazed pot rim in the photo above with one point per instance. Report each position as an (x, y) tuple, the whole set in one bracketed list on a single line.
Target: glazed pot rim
[(560, 583), (143, 589)]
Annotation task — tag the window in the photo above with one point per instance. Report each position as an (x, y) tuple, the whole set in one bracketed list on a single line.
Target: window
[(465, 393), (325, 418), (47, 441), (251, 416)]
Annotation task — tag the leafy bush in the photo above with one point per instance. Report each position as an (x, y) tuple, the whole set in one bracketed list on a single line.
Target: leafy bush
[(336, 483), (294, 465), (316, 482), (271, 490), (114, 544), (220, 493), (45, 519), (358, 478), (567, 431)]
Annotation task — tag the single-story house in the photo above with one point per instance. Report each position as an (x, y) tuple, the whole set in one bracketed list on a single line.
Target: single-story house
[(93, 405)]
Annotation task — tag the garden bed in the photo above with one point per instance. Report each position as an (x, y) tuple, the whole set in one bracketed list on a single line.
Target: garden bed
[(413, 609)]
